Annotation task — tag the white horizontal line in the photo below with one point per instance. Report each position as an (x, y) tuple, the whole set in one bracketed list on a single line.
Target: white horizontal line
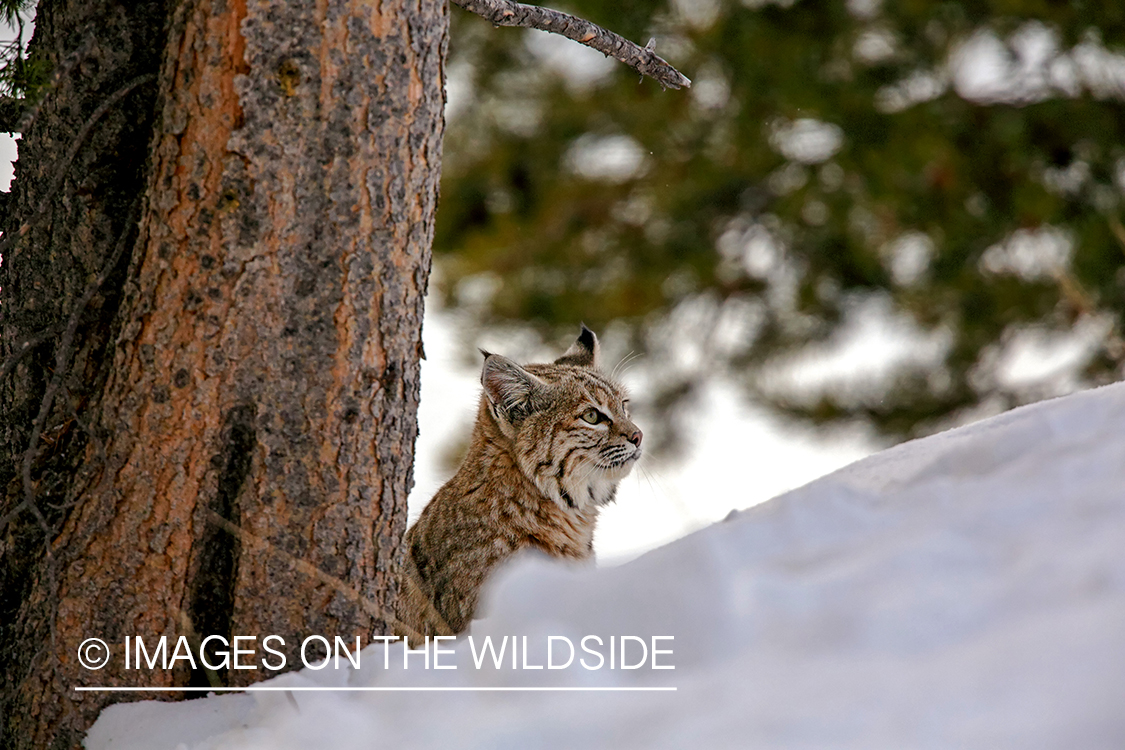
[(267, 689)]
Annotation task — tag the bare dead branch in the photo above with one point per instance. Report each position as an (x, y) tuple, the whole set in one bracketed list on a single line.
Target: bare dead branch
[(253, 540), (340, 586), (4, 520), (62, 367), (19, 114), (24, 348), (642, 59), (64, 165), (196, 642)]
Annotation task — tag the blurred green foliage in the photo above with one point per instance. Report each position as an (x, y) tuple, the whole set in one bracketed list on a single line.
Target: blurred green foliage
[(21, 79), (829, 156)]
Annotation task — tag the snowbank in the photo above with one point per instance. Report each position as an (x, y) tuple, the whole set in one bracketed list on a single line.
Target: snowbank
[(964, 590)]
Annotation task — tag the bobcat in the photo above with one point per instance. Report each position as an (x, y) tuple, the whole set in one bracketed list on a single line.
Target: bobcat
[(550, 444)]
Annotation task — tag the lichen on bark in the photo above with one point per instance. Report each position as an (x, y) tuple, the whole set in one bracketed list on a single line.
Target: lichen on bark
[(259, 366)]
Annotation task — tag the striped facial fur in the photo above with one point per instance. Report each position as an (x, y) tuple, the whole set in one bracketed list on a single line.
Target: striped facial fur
[(549, 446), (568, 423)]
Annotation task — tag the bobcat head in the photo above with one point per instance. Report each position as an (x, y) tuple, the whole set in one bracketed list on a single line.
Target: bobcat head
[(568, 423)]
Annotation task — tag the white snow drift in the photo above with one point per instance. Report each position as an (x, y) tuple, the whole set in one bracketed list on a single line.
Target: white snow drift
[(964, 590)]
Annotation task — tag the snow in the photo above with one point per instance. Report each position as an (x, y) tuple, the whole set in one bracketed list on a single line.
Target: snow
[(662, 499), (962, 590)]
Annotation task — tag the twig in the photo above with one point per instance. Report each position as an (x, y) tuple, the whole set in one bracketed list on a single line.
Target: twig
[(642, 59), (62, 366), (64, 166), (349, 592), (341, 586), (68, 64), (196, 643), (91, 433), (11, 514), (11, 105), (1084, 305), (22, 349)]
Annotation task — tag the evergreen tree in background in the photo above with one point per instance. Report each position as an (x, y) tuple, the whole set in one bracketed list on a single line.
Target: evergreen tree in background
[(952, 171)]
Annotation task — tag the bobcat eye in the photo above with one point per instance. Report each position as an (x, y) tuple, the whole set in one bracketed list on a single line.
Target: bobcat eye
[(593, 416)]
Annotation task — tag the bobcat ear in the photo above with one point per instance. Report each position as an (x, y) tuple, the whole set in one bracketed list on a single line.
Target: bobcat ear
[(509, 388), (583, 352)]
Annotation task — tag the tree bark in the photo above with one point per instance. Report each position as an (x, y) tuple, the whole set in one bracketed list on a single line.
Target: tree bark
[(251, 365)]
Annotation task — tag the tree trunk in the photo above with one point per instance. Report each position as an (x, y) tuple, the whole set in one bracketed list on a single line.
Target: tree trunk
[(229, 449)]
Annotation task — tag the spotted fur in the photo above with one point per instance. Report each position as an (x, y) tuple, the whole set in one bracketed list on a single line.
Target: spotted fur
[(550, 444)]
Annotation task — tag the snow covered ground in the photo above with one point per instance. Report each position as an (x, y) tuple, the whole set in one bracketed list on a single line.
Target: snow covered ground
[(964, 590)]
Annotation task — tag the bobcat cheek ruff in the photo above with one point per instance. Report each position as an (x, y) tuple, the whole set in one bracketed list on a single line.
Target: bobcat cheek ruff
[(550, 444)]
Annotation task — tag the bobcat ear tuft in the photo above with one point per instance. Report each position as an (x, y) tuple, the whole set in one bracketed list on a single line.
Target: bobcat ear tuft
[(509, 388), (583, 352)]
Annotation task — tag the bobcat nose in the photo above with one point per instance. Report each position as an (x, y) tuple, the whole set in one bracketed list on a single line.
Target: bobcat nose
[(635, 438)]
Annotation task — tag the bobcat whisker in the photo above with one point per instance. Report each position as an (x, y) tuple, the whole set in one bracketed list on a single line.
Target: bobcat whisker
[(535, 475), (620, 368)]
